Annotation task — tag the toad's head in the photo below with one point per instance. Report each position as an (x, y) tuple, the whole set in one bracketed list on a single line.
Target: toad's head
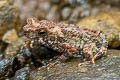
[(40, 29)]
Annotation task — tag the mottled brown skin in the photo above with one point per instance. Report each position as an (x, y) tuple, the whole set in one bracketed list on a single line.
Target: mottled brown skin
[(67, 39)]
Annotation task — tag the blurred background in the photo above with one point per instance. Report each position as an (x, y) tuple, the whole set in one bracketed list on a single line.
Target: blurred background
[(63, 10)]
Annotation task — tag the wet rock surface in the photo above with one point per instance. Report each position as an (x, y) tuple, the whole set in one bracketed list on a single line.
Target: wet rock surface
[(22, 74), (106, 21), (105, 68), (8, 67), (13, 49)]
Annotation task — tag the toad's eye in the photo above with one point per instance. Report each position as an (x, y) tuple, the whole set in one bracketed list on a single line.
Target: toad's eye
[(26, 32), (42, 32)]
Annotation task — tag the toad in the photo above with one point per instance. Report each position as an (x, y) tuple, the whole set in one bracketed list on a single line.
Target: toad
[(67, 39)]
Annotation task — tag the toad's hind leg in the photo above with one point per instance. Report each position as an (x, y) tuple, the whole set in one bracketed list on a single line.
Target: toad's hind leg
[(102, 51), (94, 58)]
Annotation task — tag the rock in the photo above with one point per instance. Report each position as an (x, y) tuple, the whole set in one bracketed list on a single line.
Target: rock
[(78, 13), (108, 22), (114, 3), (13, 48), (77, 2), (65, 13), (2, 46), (22, 74), (10, 36), (1, 56), (8, 16), (53, 14), (114, 52), (55, 1), (38, 75), (8, 67), (33, 8), (105, 68)]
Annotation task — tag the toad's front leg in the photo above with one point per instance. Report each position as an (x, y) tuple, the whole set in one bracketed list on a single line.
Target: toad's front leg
[(28, 43)]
